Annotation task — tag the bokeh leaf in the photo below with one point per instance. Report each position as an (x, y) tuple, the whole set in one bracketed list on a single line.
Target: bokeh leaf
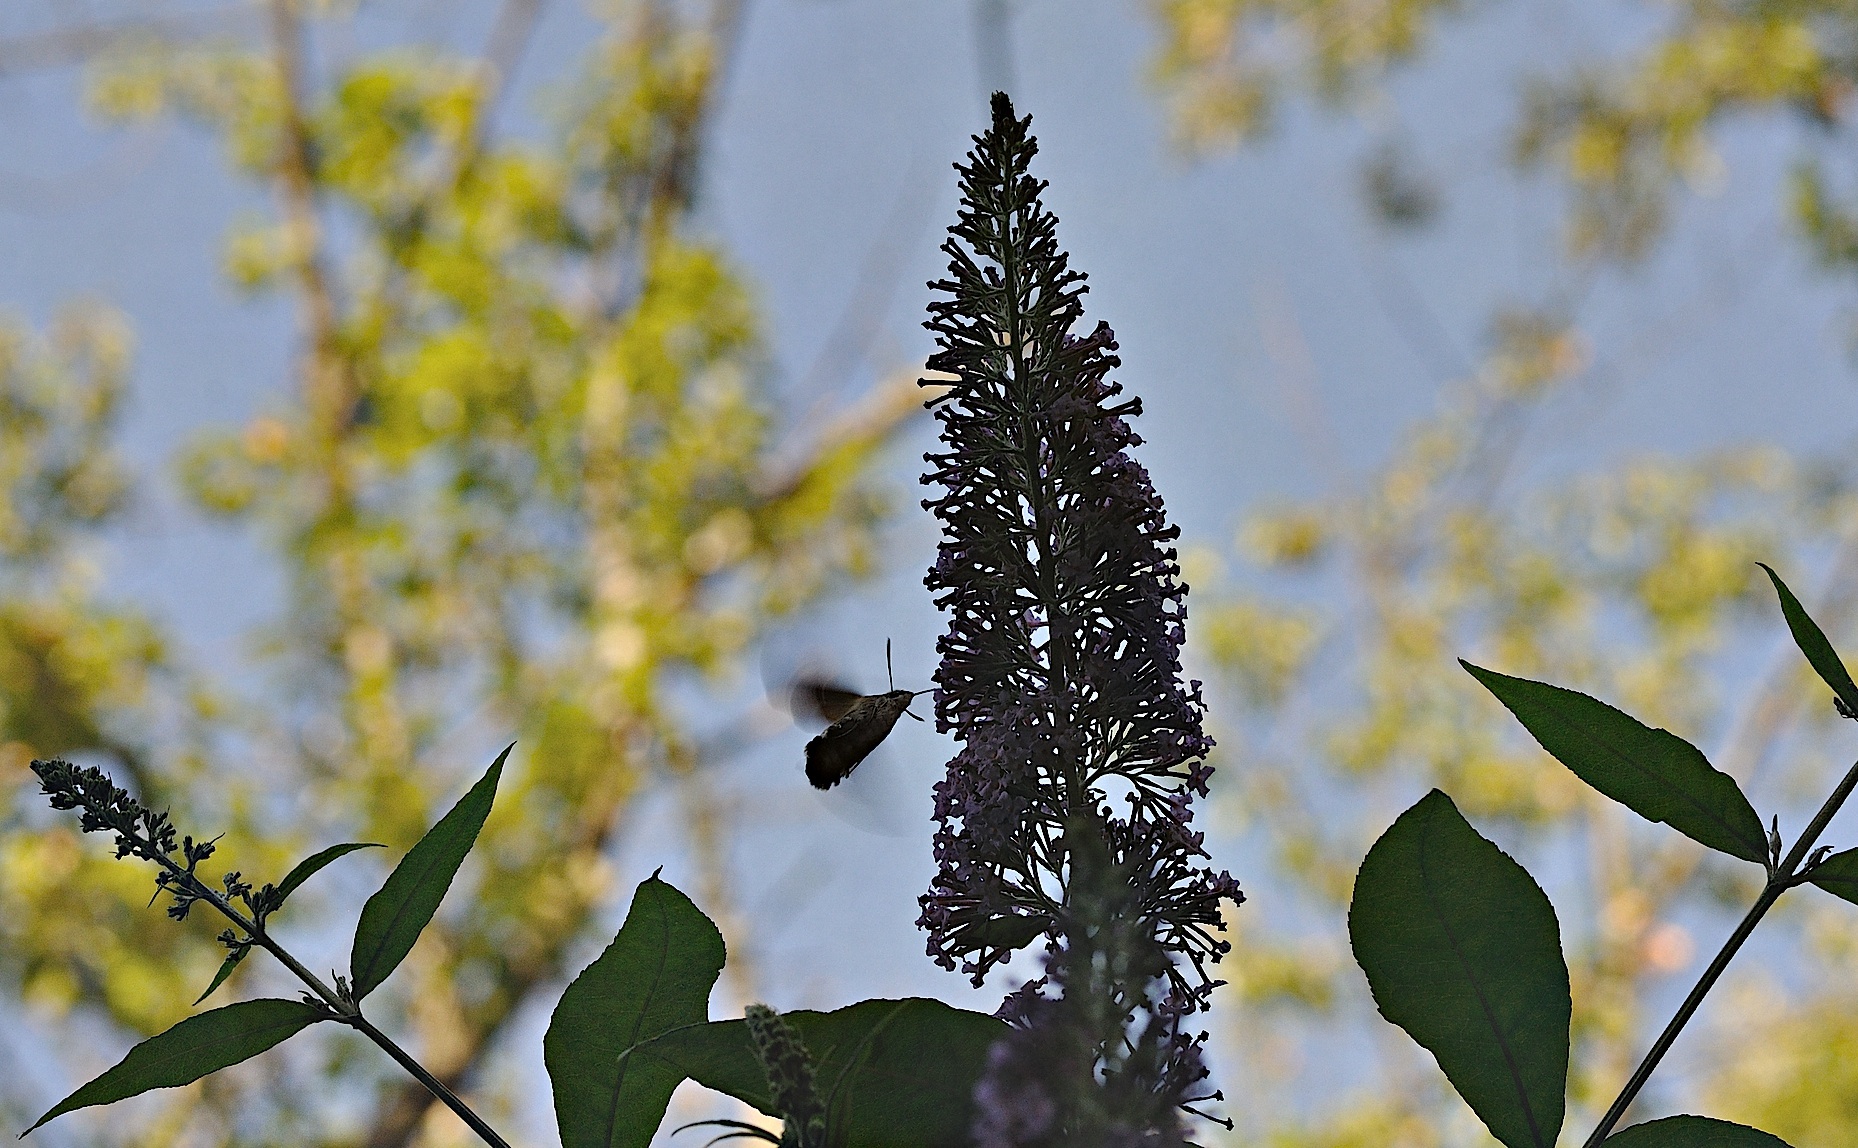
[(896, 1073), (1462, 950), (309, 866), (654, 977), (1812, 642), (192, 1049), (1653, 772), (1693, 1132), (393, 918)]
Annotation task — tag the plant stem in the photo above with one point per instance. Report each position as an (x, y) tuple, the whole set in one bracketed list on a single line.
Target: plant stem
[(1666, 1038), (343, 1009), (432, 1083), (1782, 878), (253, 930)]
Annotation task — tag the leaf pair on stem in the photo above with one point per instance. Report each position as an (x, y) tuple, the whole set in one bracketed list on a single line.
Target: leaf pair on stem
[(390, 922), (1462, 948)]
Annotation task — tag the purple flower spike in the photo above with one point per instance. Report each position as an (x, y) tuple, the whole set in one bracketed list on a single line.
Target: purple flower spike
[(1067, 814)]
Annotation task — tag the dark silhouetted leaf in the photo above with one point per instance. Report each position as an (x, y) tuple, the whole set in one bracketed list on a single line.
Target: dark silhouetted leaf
[(655, 976), (309, 866), (743, 1131), (225, 970), (1653, 772), (1692, 1132), (1462, 950), (1004, 932), (1812, 642), (192, 1049), (393, 918), (1838, 875), (897, 1073)]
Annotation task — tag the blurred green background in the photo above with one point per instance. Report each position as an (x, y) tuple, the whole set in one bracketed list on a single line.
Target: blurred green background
[(381, 382)]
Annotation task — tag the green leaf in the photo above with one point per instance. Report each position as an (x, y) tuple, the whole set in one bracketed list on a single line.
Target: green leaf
[(655, 976), (225, 970), (743, 1131), (1812, 642), (1838, 875), (393, 918), (192, 1049), (1653, 772), (897, 1073), (308, 867), (1462, 950), (1693, 1132), (1004, 932)]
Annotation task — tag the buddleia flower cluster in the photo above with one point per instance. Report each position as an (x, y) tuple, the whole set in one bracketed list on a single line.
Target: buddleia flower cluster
[(1068, 812), (1076, 1068)]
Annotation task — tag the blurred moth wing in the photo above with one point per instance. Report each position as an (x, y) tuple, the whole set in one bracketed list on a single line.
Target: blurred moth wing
[(822, 699), (863, 725)]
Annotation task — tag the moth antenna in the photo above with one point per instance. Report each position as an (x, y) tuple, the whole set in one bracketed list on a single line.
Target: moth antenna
[(888, 672)]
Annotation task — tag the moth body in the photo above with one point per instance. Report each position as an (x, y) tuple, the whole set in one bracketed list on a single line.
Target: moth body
[(851, 737)]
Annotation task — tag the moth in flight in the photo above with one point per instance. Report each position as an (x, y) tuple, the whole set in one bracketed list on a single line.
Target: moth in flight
[(860, 722)]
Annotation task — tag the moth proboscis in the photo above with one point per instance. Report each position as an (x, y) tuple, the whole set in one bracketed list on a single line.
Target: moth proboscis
[(859, 724)]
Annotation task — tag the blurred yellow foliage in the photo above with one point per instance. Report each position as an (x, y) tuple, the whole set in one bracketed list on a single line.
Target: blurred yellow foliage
[(525, 472), (1224, 64), (1633, 584), (1626, 584), (1622, 133), (1262, 648)]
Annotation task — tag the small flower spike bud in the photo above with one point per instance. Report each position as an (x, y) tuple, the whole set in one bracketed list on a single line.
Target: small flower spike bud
[(148, 836), (789, 1069)]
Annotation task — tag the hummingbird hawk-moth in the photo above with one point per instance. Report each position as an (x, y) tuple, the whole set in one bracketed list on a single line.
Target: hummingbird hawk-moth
[(859, 723)]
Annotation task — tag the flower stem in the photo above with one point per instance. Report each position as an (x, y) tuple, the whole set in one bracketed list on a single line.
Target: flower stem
[(1780, 879)]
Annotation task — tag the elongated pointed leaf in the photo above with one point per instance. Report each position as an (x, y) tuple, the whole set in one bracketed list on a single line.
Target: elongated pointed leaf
[(1692, 1132), (1838, 875), (1004, 932), (309, 866), (394, 917), (655, 976), (1812, 642), (897, 1073), (1652, 772), (192, 1049), (1462, 950), (743, 1131), (225, 970)]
